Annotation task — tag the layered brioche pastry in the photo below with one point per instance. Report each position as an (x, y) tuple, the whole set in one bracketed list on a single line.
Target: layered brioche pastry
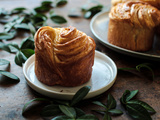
[(63, 56), (132, 25), (155, 3)]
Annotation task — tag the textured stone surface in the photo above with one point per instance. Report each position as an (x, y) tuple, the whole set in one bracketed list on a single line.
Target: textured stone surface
[(14, 96)]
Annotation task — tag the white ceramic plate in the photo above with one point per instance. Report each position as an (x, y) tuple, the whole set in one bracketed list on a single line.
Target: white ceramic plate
[(99, 27), (103, 76)]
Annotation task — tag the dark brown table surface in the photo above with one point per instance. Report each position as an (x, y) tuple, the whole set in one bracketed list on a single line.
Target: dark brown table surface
[(14, 96)]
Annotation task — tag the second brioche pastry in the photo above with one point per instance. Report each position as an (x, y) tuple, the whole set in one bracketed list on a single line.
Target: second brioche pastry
[(63, 56), (132, 25)]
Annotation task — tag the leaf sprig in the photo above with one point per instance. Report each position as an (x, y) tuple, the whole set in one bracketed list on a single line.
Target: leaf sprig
[(23, 52), (6, 73), (109, 108), (136, 108), (140, 67), (67, 108)]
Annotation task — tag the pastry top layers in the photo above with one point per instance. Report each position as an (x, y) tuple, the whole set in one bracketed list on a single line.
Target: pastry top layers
[(63, 45), (137, 13), (155, 3)]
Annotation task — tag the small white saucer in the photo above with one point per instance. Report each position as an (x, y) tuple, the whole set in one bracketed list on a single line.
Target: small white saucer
[(103, 76)]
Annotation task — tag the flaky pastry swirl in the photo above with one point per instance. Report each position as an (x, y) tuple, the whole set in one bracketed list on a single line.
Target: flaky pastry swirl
[(67, 55), (137, 13), (155, 3)]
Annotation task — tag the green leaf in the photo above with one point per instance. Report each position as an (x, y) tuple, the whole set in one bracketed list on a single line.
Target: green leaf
[(4, 62), (99, 103), (107, 117), (145, 65), (62, 102), (32, 29), (5, 47), (68, 111), (20, 58), (9, 75), (100, 111), (144, 104), (27, 43), (42, 9), (62, 118), (131, 95), (115, 111), (27, 52), (96, 9), (7, 36), (13, 47), (36, 99), (87, 117), (124, 96), (111, 102), (80, 94), (79, 112), (50, 110), (46, 3), (18, 10), (22, 26), (61, 2), (3, 12), (38, 18), (87, 14), (58, 19), (138, 112)]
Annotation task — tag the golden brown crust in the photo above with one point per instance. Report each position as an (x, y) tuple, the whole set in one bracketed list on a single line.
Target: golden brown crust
[(155, 3), (136, 13), (63, 56), (132, 25)]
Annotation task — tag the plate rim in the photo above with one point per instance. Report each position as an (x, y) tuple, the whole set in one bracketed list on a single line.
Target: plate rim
[(116, 48), (89, 95)]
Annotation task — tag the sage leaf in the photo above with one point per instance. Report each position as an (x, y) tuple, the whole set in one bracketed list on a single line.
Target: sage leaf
[(100, 104), (46, 3), (79, 112), (124, 96), (115, 111), (144, 104), (111, 102), (145, 65), (58, 19), (22, 26), (62, 102), (9, 75), (20, 58), (131, 95), (36, 99), (4, 62), (7, 36), (27, 52), (87, 14), (87, 117), (27, 43), (18, 10), (32, 29), (80, 94), (39, 17), (61, 2), (3, 12), (42, 9), (50, 110), (107, 117), (138, 112), (5, 47), (13, 47), (96, 9), (62, 118), (68, 111)]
